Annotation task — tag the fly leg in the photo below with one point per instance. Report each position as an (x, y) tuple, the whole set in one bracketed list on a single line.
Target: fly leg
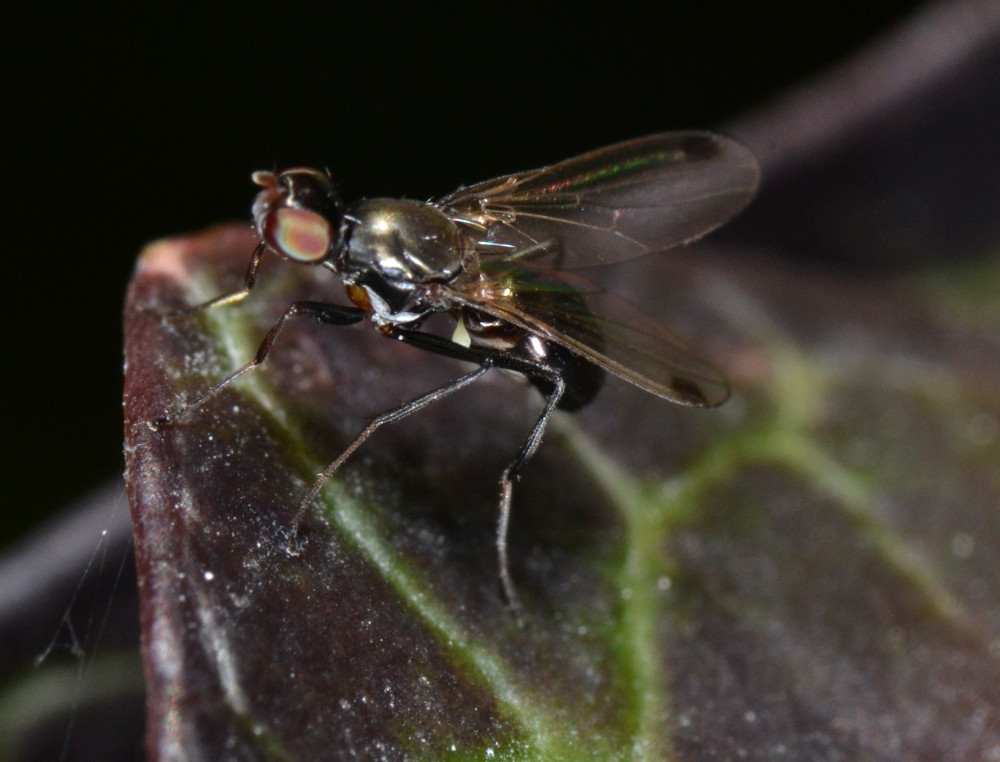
[(395, 414), (511, 473), (249, 279), (518, 363), (324, 313)]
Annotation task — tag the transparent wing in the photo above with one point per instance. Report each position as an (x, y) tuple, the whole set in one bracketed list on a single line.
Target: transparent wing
[(612, 204), (600, 326)]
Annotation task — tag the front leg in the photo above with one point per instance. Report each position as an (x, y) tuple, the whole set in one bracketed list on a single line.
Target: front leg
[(249, 280), (332, 314)]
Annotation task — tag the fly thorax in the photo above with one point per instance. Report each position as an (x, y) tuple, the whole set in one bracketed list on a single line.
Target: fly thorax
[(398, 251)]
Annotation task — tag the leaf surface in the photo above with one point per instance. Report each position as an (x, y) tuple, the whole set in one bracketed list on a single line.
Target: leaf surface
[(811, 568)]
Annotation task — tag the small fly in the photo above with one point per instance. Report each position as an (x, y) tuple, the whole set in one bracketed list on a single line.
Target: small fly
[(499, 258)]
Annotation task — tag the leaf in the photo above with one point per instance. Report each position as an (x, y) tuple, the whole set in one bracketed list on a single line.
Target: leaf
[(808, 572), (813, 568)]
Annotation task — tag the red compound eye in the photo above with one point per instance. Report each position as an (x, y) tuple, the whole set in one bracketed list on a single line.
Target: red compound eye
[(299, 234)]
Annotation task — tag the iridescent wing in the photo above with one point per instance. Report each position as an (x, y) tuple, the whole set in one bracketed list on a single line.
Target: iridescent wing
[(612, 204), (598, 325)]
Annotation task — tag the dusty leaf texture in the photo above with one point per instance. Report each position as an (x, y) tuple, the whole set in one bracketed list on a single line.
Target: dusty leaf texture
[(808, 572)]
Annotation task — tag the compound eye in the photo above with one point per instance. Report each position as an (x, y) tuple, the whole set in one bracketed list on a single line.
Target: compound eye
[(299, 234)]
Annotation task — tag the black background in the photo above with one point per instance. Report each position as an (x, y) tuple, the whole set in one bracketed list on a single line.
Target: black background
[(129, 125)]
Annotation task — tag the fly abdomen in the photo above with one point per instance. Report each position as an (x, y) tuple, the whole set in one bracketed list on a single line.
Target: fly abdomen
[(583, 379)]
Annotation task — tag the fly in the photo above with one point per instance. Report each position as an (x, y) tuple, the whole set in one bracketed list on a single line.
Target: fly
[(499, 257)]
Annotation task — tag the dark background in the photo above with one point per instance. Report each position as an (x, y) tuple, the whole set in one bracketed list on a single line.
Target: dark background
[(131, 125)]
